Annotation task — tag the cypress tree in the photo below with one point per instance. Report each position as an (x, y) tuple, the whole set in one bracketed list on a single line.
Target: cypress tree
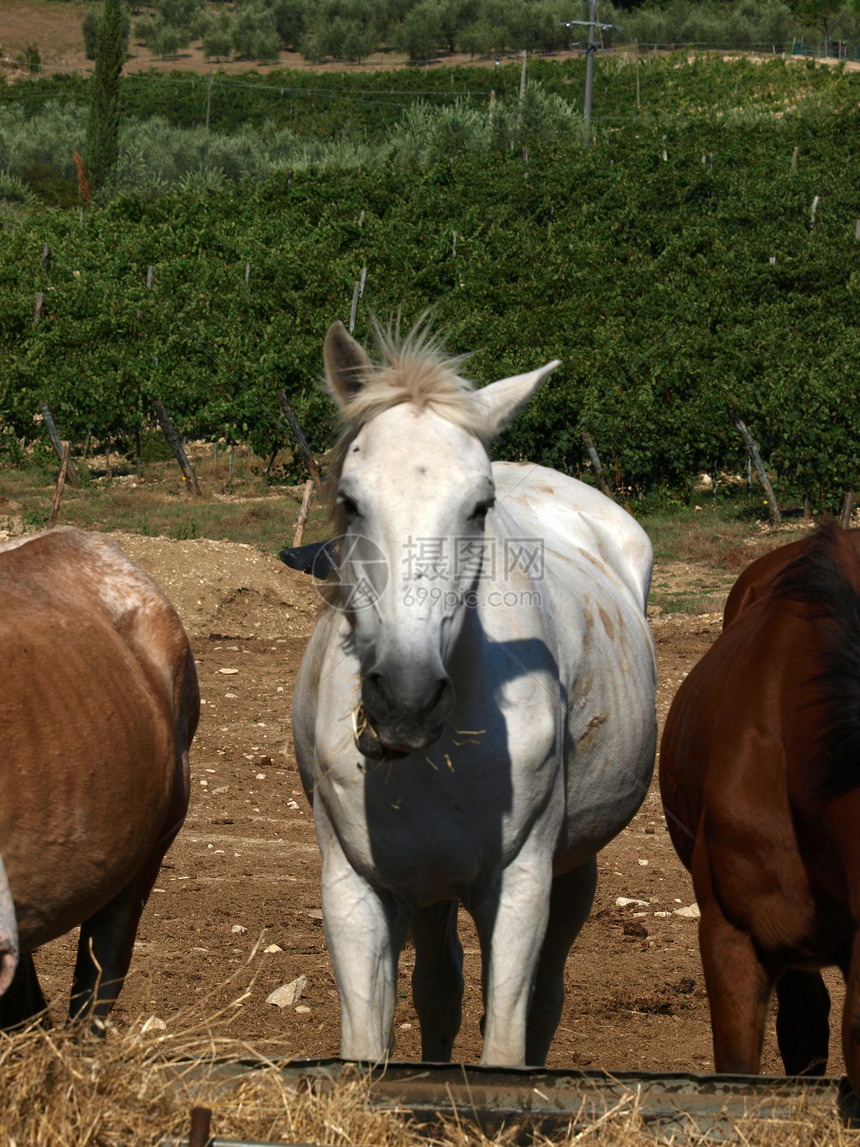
[(103, 126)]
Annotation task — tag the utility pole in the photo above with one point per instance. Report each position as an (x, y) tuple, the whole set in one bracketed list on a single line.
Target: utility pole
[(589, 71), (590, 47)]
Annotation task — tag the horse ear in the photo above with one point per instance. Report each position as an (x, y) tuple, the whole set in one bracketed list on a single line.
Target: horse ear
[(501, 401), (346, 363)]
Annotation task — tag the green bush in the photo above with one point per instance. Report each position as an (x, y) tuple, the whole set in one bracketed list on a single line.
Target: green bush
[(47, 185), (14, 190), (154, 447), (44, 140), (202, 181), (31, 57), (426, 133)]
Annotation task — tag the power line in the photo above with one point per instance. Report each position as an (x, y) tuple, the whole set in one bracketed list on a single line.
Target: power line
[(283, 89)]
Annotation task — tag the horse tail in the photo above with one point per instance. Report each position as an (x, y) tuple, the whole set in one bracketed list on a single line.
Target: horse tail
[(8, 933), (825, 578)]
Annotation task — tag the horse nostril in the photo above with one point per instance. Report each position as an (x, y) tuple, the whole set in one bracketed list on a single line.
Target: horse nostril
[(437, 694), (375, 695), (385, 693), (374, 682)]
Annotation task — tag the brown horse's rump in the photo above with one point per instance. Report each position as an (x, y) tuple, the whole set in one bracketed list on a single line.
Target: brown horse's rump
[(759, 774), (97, 711)]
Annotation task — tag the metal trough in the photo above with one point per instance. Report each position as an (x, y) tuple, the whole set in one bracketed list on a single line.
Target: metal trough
[(553, 1100)]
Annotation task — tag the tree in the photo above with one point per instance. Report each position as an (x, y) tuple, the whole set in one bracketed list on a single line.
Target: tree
[(218, 37), (103, 125), (90, 32), (187, 15), (290, 22), (819, 13), (165, 39), (254, 33), (346, 29), (421, 32)]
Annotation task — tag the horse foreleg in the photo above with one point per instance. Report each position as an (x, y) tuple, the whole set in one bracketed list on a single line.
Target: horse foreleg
[(738, 984), (23, 999), (106, 940), (105, 947), (851, 1017), (364, 930), (570, 902), (437, 981), (803, 1022), (511, 918)]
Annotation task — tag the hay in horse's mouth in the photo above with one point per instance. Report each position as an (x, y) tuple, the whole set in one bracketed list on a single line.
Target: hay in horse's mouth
[(367, 742)]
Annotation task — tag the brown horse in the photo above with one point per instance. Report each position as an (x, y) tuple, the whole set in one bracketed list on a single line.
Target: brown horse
[(760, 779), (98, 706)]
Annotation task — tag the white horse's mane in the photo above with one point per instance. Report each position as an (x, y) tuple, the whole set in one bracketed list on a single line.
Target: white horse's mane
[(413, 370)]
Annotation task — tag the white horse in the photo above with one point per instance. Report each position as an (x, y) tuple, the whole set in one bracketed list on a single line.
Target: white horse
[(474, 716)]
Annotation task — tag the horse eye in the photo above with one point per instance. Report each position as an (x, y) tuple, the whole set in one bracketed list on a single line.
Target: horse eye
[(350, 508), (480, 511)]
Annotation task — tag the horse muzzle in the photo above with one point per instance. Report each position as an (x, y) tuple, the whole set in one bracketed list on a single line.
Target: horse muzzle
[(8, 933), (402, 717)]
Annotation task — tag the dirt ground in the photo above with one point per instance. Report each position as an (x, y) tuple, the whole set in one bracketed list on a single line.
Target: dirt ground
[(236, 911)]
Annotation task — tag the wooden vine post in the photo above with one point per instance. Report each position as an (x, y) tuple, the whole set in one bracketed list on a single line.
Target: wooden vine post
[(301, 521), (588, 442), (61, 482), (50, 425), (314, 482), (175, 442), (752, 449), (301, 441), (847, 510), (201, 1117)]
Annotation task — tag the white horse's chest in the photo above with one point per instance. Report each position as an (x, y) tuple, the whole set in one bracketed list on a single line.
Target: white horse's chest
[(423, 852), (429, 825)]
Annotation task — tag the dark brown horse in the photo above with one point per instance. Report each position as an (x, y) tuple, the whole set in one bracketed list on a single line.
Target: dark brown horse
[(98, 706), (760, 779)]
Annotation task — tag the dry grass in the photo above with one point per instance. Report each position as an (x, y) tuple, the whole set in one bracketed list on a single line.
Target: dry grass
[(700, 552), (62, 1090), (156, 504), (65, 1087), (719, 536)]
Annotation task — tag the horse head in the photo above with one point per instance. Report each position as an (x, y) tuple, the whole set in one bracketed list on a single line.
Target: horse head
[(413, 489)]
